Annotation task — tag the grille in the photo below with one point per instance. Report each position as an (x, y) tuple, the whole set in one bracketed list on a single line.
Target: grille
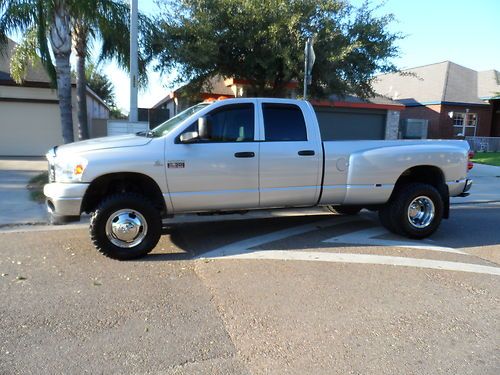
[(52, 173)]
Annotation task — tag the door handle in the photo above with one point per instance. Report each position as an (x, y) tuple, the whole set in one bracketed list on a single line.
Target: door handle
[(306, 153), (244, 154)]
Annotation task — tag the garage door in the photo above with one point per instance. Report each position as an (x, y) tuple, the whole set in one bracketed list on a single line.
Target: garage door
[(29, 128), (339, 124)]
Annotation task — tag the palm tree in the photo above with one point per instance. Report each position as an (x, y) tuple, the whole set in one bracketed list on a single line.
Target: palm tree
[(50, 19), (85, 22), (108, 22)]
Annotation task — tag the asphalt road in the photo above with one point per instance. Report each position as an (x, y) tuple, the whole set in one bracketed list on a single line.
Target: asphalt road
[(315, 294)]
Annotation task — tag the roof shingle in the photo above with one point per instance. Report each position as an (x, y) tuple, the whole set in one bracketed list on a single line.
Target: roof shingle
[(436, 83), (35, 73)]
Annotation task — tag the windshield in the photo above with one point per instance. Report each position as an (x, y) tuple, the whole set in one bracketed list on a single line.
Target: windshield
[(170, 124)]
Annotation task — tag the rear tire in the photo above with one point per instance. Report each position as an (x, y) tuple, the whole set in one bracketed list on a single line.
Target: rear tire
[(345, 210), (125, 226), (414, 211)]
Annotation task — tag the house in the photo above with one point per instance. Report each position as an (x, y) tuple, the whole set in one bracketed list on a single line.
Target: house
[(348, 117), (30, 120), (188, 95), (455, 100)]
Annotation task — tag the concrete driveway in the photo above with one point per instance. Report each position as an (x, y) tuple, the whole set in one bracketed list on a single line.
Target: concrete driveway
[(486, 186), (16, 207)]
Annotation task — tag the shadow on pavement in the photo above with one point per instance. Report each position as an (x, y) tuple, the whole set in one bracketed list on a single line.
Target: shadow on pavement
[(473, 226)]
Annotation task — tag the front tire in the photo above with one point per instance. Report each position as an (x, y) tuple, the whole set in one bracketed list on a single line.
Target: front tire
[(125, 226), (414, 211)]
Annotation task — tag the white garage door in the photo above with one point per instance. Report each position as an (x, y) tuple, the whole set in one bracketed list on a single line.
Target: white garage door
[(28, 128)]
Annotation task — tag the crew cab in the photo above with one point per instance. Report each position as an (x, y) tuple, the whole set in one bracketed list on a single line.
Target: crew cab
[(247, 154)]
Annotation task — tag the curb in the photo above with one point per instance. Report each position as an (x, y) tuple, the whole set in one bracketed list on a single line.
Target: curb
[(474, 202)]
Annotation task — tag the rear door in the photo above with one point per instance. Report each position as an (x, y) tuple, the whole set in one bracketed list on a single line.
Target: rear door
[(290, 159)]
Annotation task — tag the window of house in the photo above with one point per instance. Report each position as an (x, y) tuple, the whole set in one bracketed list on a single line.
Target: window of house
[(464, 124), (284, 122)]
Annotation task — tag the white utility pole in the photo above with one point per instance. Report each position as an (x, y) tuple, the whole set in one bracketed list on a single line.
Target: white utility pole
[(134, 69), (310, 57)]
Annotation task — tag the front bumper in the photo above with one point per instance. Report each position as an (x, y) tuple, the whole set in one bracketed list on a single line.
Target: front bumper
[(64, 200)]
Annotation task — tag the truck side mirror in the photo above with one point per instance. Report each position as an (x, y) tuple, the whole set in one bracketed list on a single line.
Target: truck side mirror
[(203, 128), (188, 137)]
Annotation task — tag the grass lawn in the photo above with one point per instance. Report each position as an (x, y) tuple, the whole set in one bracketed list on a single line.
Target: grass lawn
[(491, 158), (35, 186)]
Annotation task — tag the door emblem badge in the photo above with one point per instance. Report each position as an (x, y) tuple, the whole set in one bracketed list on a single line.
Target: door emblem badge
[(176, 164)]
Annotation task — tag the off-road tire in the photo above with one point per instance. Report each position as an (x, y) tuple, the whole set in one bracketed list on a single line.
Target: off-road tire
[(345, 210), (114, 203), (394, 215)]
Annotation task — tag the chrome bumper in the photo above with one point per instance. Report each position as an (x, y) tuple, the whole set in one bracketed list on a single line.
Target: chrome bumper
[(64, 199), (459, 188), (468, 185)]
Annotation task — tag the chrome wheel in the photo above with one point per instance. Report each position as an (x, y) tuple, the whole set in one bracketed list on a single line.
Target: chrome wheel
[(126, 228), (421, 212)]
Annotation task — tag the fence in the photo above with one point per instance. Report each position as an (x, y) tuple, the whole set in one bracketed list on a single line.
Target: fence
[(486, 144)]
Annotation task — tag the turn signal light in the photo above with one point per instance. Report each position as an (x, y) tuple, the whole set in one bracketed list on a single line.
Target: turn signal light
[(79, 169), (470, 164)]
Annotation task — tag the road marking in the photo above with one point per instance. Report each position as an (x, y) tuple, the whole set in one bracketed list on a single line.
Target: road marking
[(243, 249), (244, 245), (365, 237), (366, 259)]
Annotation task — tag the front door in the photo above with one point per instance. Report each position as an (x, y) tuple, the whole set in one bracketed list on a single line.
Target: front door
[(219, 173), (290, 158)]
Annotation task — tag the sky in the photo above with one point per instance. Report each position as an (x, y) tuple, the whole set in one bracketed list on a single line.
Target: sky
[(463, 31)]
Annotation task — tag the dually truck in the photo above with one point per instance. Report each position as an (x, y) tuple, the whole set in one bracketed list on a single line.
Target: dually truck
[(243, 154)]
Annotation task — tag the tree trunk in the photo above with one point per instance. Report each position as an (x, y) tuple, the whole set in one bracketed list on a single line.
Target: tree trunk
[(60, 40), (63, 72), (81, 36)]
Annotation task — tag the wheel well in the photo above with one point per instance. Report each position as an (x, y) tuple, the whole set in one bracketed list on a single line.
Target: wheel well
[(427, 174), (113, 183)]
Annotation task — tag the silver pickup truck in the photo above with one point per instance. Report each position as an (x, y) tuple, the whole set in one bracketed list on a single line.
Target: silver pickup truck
[(246, 154)]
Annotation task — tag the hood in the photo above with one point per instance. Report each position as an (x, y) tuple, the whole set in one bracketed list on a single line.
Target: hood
[(126, 140)]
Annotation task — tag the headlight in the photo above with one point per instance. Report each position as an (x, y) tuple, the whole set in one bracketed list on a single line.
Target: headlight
[(69, 169)]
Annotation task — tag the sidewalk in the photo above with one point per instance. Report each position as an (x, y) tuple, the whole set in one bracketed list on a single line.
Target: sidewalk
[(486, 185), (16, 207)]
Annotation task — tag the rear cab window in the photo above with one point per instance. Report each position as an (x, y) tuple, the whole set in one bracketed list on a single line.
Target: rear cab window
[(283, 123)]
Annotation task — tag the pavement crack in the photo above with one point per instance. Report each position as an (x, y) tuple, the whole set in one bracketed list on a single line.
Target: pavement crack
[(220, 310)]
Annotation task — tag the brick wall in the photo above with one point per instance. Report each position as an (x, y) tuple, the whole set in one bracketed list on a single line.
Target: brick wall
[(441, 125), (392, 125), (430, 113), (484, 119), (495, 126)]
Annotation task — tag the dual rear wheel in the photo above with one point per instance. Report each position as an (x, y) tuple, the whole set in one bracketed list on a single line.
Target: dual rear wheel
[(414, 210)]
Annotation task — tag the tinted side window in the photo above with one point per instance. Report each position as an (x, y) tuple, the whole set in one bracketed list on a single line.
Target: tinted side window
[(233, 123), (284, 122)]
